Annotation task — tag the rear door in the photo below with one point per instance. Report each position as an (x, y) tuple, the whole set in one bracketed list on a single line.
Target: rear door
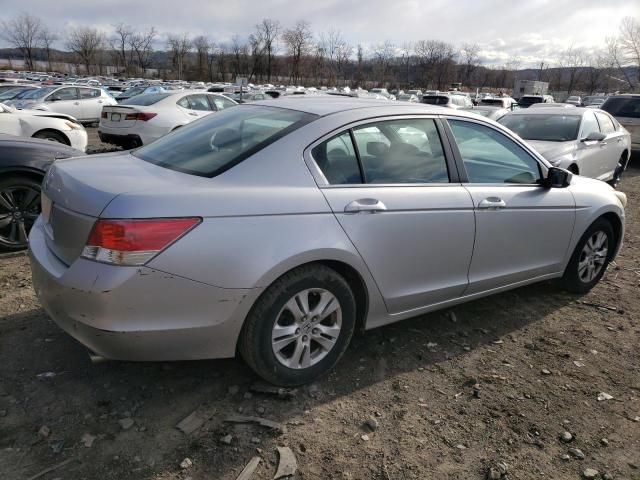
[(522, 229), (91, 103), (395, 192), (613, 145)]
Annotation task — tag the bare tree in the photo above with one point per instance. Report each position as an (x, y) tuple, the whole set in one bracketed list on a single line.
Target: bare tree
[(47, 39), (383, 55), (335, 50), (85, 42), (201, 44), (268, 32), (630, 42), (572, 60), (142, 45), (298, 42), (119, 42), (179, 47), (23, 33), (614, 52), (470, 60)]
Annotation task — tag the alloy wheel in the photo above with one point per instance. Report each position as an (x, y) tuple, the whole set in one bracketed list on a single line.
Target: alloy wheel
[(306, 328), (593, 256), (19, 208)]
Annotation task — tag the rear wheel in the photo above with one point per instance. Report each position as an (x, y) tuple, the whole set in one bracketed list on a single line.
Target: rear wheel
[(300, 326), (590, 258), (19, 208), (53, 136), (617, 174)]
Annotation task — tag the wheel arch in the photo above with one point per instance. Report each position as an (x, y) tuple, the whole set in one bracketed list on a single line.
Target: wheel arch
[(53, 130), (34, 174), (616, 224)]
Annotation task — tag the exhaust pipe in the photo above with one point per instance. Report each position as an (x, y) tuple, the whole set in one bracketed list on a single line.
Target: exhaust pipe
[(95, 358)]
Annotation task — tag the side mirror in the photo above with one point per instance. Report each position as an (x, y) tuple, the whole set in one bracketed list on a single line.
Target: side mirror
[(594, 137), (557, 178)]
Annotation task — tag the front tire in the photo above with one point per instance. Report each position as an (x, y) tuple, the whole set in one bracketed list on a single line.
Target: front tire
[(53, 136), (590, 258), (300, 326)]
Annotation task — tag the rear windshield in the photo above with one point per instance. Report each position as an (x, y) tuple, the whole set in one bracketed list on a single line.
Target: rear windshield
[(216, 143), (550, 128), (145, 100), (491, 101), (530, 100), (435, 100), (623, 107)]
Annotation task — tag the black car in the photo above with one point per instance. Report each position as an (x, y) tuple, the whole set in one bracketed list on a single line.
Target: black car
[(23, 164)]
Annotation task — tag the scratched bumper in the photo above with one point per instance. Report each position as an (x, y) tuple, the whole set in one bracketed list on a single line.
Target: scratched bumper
[(137, 313)]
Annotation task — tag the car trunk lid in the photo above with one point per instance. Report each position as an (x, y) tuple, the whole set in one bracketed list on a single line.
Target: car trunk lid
[(119, 116), (77, 190)]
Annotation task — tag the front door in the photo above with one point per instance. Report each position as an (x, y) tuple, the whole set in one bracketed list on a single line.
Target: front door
[(523, 230), (65, 100), (390, 189)]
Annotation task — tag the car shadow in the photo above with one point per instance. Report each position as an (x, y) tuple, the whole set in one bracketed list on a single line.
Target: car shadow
[(78, 396)]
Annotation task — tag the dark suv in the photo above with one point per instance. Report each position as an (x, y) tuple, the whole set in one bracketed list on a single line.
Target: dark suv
[(626, 109)]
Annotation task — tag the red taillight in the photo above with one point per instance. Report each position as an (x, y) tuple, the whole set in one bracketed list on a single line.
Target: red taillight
[(142, 116), (103, 115), (134, 242)]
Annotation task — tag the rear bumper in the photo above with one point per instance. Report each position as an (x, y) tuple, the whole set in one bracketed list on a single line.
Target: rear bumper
[(130, 140), (137, 313)]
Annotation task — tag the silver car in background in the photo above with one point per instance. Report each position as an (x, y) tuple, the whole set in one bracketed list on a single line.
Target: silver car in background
[(582, 140), (276, 229)]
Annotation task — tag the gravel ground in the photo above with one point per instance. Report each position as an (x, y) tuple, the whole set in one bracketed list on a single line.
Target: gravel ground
[(507, 383)]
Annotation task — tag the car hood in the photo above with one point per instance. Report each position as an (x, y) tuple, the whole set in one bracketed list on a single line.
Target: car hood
[(22, 104), (552, 150)]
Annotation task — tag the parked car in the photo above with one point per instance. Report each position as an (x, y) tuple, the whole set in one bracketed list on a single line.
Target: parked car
[(528, 100), (15, 92), (250, 218), (593, 101), (584, 141), (248, 97), (626, 110), (447, 100), (407, 97), (23, 164), (44, 125), (574, 100), (145, 118), (500, 102), (83, 103), (382, 92), (141, 90), (551, 105), (494, 113), (417, 93)]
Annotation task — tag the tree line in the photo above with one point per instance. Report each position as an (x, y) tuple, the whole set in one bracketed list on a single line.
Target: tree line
[(273, 53)]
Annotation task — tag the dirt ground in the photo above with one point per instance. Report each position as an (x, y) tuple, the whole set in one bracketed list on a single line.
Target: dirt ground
[(493, 385)]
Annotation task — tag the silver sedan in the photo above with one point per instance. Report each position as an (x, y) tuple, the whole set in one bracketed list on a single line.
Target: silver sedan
[(582, 140), (278, 228)]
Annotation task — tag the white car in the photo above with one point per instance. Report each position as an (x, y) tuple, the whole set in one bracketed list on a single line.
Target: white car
[(82, 103), (45, 125), (145, 118), (584, 141)]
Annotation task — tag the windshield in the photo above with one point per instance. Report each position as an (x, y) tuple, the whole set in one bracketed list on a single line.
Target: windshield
[(38, 93), (216, 143), (435, 100), (14, 93), (549, 128), (145, 100)]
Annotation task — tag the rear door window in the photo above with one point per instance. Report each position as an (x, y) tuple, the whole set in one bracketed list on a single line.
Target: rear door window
[(220, 102), (89, 93), (623, 107), (199, 102)]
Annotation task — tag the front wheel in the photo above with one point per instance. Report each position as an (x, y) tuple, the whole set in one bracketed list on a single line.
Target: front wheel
[(590, 258), (300, 326), (53, 136)]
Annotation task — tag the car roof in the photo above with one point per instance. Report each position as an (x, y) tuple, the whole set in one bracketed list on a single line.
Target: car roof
[(552, 111), (327, 104)]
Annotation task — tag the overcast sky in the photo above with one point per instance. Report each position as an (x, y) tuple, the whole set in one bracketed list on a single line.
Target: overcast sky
[(532, 30)]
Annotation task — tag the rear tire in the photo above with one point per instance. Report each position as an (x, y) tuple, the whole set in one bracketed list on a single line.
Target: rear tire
[(19, 208), (53, 136), (288, 337), (617, 174), (590, 258)]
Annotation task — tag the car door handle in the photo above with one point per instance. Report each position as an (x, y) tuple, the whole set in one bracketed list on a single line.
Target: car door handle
[(193, 114), (619, 140), (371, 205), (99, 101), (76, 103), (492, 203)]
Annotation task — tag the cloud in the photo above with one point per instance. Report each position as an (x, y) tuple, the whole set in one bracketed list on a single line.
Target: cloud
[(532, 30)]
